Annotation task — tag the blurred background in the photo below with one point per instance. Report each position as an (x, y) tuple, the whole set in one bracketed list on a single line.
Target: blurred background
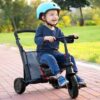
[(77, 16), (74, 13)]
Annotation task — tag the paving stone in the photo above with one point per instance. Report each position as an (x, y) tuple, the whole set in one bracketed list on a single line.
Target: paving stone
[(11, 67)]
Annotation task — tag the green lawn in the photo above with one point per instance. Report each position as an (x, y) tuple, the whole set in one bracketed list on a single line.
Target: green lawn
[(27, 40), (86, 33), (87, 47)]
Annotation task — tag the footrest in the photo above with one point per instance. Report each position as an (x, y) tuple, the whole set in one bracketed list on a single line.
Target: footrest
[(82, 86)]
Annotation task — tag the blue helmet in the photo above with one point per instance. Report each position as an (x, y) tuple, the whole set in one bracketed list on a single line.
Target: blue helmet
[(44, 7)]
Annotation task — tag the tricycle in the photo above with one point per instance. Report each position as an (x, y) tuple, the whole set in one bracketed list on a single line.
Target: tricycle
[(35, 73)]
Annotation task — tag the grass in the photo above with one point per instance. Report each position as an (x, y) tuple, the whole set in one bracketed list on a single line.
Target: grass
[(87, 47), (85, 51), (86, 33), (27, 40), (7, 38)]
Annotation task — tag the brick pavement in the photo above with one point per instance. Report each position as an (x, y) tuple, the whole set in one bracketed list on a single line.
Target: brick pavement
[(11, 68)]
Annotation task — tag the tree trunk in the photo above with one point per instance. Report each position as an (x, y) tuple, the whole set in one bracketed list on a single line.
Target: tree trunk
[(81, 22), (13, 23)]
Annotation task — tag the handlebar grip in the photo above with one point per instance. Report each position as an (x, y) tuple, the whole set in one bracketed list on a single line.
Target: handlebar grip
[(76, 37), (67, 37), (72, 37)]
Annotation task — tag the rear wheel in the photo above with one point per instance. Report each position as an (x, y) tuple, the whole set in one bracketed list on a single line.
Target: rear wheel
[(73, 86), (19, 85)]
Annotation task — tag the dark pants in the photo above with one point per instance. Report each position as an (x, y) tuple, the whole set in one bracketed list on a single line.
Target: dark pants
[(52, 60)]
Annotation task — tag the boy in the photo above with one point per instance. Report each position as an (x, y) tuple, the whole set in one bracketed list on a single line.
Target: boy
[(47, 46)]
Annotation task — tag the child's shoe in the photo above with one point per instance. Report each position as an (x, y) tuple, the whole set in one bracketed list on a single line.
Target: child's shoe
[(62, 81)]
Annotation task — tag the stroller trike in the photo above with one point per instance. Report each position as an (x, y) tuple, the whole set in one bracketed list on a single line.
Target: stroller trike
[(35, 73)]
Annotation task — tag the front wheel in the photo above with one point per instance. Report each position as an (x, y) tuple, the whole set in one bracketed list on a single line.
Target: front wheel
[(73, 86), (19, 85)]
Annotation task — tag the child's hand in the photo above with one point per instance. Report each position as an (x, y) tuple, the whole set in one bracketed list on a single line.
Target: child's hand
[(49, 38), (75, 36)]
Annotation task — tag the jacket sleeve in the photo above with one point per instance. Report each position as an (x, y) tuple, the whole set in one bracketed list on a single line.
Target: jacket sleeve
[(39, 37)]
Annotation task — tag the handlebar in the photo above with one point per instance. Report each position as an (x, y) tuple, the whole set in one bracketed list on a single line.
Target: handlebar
[(67, 37)]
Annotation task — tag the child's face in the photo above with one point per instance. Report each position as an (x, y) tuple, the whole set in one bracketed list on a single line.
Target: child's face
[(52, 17)]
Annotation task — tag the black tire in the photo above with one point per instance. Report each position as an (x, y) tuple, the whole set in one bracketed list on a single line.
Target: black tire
[(73, 86), (19, 85)]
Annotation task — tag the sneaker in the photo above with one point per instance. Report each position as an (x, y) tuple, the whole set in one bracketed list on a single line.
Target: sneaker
[(81, 82), (62, 81)]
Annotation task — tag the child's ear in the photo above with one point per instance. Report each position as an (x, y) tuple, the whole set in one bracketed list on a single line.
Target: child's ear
[(43, 17)]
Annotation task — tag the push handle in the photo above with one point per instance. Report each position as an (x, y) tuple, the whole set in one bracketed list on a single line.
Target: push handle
[(22, 31)]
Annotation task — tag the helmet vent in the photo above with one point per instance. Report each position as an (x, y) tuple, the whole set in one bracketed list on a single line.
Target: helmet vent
[(54, 5)]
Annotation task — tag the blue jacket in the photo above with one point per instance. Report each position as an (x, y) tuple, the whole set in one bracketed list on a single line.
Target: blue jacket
[(47, 47)]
